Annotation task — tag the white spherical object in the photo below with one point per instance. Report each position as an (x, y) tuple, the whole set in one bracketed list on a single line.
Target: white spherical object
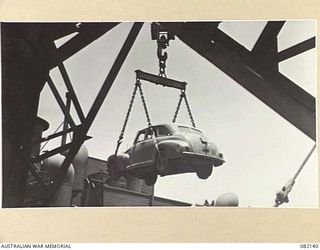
[(227, 200)]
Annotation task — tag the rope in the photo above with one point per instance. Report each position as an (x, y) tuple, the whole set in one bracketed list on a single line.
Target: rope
[(282, 196)]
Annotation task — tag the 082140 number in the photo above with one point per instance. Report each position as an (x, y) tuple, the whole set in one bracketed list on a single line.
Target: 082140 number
[(308, 246)]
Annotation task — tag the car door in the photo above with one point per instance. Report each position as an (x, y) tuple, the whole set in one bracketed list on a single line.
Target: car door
[(143, 150)]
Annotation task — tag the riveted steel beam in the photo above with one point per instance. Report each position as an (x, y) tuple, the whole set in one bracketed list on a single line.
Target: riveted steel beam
[(88, 32), (60, 102), (296, 49), (57, 134), (70, 88), (271, 87)]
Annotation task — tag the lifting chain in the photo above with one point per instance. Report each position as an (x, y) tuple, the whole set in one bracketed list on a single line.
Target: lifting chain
[(136, 87), (162, 44), (144, 104), (127, 116), (189, 111), (178, 108), (183, 97)]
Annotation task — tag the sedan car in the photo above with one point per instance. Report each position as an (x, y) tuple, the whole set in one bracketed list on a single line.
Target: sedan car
[(166, 149)]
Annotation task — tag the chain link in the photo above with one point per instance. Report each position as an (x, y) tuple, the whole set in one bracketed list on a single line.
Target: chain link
[(127, 115), (137, 87), (183, 97), (162, 68), (162, 42), (144, 105), (178, 107), (189, 111)]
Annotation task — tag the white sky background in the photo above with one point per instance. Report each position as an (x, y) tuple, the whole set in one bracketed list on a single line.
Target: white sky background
[(262, 150)]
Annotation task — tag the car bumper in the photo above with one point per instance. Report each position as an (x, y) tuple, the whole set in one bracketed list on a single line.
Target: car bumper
[(189, 162), (195, 158)]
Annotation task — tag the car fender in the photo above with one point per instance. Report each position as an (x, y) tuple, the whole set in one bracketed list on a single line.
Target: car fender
[(173, 148), (120, 160), (213, 148)]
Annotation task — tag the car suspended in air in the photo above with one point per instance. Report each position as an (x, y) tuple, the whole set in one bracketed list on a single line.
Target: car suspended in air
[(166, 149)]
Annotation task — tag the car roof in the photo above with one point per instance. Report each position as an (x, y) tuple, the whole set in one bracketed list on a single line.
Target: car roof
[(173, 126)]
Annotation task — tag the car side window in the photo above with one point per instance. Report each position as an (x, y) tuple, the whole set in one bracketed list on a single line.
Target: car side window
[(162, 131), (149, 133), (141, 136)]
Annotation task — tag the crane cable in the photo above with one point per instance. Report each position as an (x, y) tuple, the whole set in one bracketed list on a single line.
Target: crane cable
[(282, 196)]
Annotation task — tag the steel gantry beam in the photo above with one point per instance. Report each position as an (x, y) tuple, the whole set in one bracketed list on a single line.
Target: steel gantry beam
[(296, 49), (88, 32), (79, 136), (271, 87), (60, 102), (72, 93), (266, 47)]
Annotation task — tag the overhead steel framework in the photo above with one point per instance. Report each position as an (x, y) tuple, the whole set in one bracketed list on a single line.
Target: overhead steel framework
[(18, 123), (255, 70)]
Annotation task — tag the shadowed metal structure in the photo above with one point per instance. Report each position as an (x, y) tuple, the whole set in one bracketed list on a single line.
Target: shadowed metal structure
[(28, 53), (256, 70), (27, 56)]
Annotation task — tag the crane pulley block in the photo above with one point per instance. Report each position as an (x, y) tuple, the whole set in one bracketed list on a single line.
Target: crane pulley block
[(163, 36), (158, 30)]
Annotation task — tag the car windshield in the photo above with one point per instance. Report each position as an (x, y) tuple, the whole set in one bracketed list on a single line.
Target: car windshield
[(144, 135), (141, 136), (189, 130)]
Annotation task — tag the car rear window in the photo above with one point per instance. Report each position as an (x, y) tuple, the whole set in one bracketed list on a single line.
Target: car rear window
[(189, 130), (162, 131)]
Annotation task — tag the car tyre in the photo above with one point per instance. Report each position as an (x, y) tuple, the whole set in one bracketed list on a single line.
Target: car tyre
[(162, 161), (151, 179), (204, 173)]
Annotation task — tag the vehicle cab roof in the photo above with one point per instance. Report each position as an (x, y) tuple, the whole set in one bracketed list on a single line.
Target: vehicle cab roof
[(172, 126)]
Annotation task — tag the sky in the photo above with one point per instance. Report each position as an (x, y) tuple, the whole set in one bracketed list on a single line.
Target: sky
[(262, 150)]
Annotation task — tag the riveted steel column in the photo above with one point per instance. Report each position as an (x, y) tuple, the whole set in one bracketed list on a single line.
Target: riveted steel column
[(65, 124), (72, 93)]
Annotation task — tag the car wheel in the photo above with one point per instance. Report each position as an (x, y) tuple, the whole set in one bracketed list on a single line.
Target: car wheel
[(151, 179), (204, 173), (113, 170), (162, 161)]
